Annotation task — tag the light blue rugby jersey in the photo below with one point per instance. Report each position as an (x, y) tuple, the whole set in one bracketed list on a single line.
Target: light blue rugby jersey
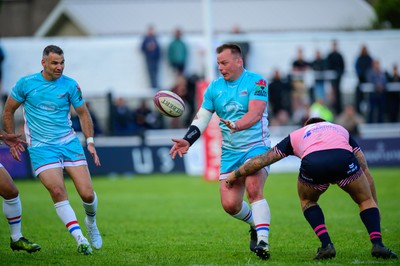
[(47, 108), (230, 100)]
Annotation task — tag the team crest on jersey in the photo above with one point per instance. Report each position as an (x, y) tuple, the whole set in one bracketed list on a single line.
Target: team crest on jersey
[(261, 90), (79, 92), (307, 134)]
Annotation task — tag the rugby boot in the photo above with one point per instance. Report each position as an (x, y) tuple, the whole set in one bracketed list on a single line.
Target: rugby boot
[(84, 247), (253, 238), (327, 252), (262, 250), (24, 244), (380, 251), (94, 234)]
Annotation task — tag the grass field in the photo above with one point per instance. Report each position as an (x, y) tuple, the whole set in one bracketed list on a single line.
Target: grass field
[(178, 220)]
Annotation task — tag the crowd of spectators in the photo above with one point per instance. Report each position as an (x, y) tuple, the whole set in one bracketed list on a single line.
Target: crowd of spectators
[(376, 98), (291, 102)]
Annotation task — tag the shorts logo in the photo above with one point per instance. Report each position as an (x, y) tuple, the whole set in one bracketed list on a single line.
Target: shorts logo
[(307, 178), (352, 168)]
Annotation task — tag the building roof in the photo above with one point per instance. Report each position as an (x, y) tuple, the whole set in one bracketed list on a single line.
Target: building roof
[(126, 17)]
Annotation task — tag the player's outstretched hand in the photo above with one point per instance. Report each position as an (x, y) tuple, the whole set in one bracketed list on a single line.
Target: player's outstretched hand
[(92, 149), (15, 143), (12, 140), (230, 124), (180, 147), (16, 151)]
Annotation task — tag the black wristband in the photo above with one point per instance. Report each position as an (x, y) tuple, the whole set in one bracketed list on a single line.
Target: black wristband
[(192, 134)]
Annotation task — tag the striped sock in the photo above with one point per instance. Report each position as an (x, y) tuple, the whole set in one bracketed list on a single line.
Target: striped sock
[(245, 214), (67, 216), (316, 219), (370, 218), (262, 219), (90, 209), (12, 209)]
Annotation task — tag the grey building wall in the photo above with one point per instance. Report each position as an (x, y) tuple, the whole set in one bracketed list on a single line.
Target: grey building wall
[(23, 17)]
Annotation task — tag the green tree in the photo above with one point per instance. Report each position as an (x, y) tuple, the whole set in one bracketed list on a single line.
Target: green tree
[(388, 13)]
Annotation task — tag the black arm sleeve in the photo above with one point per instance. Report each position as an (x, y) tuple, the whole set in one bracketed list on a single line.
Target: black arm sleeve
[(192, 134), (353, 143), (285, 147)]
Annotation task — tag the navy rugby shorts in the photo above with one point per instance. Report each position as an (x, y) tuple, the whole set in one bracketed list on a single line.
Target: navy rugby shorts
[(336, 166)]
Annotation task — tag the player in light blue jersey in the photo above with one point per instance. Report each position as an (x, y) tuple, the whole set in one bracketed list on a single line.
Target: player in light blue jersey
[(240, 99), (52, 143)]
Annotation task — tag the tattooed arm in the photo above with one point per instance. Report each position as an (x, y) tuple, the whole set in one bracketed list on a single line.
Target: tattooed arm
[(363, 164), (254, 165)]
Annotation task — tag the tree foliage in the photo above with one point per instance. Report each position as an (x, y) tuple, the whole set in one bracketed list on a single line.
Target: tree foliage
[(388, 13)]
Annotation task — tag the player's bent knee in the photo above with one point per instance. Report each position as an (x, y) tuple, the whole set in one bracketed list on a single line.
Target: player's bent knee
[(58, 194), (308, 204), (366, 204), (88, 197), (231, 209), (11, 194)]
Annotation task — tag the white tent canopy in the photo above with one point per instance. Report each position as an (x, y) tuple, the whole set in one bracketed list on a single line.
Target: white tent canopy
[(126, 17)]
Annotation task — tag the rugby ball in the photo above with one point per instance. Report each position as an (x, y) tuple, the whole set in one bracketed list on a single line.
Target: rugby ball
[(169, 103)]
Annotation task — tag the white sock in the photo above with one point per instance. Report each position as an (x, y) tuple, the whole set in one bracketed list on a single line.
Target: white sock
[(68, 217), (90, 209), (245, 214), (12, 209), (262, 219)]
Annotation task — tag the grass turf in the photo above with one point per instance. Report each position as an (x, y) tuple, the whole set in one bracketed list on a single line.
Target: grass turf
[(178, 220)]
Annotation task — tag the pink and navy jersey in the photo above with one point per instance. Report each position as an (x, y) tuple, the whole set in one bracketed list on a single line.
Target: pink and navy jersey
[(316, 137)]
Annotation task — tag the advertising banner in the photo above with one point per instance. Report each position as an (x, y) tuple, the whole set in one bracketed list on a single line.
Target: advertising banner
[(130, 160), (151, 159), (381, 152), (17, 170)]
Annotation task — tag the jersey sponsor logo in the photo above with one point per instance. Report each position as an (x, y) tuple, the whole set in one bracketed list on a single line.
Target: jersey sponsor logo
[(243, 93), (79, 92), (48, 106), (261, 88), (307, 134), (233, 107)]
